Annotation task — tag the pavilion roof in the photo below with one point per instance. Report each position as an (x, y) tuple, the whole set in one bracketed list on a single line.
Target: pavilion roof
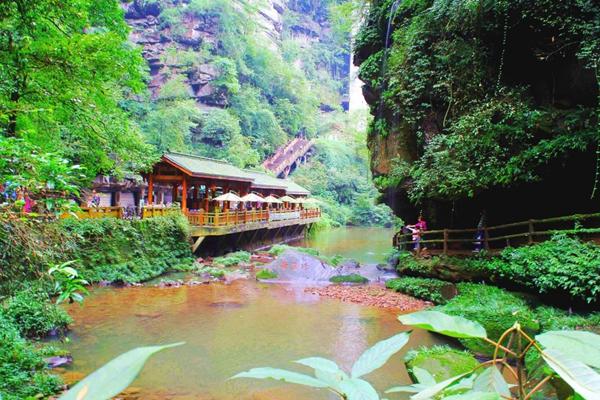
[(266, 181), (207, 167), (294, 189)]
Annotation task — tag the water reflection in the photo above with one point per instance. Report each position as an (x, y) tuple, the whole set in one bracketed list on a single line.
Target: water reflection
[(228, 329)]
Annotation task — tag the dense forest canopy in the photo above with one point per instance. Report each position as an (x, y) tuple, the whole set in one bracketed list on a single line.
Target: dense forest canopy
[(479, 96), (105, 87)]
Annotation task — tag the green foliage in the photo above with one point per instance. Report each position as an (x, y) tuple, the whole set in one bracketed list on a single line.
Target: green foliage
[(266, 274), (23, 372), (352, 278), (327, 374), (105, 249), (115, 376), (442, 362), (563, 265), (31, 311), (495, 309), (61, 87), (129, 251), (211, 271), (422, 288), (232, 259), (455, 89), (67, 283)]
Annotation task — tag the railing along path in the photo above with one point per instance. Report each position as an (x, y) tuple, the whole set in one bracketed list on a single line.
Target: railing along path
[(495, 238)]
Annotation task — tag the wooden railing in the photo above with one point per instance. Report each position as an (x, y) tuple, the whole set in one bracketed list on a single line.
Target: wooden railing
[(99, 212), (233, 218), (494, 238), (154, 211)]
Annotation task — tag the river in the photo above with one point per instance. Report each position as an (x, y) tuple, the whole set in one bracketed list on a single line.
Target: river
[(232, 328)]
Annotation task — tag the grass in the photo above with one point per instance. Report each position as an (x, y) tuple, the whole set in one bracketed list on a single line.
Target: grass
[(422, 288), (266, 274)]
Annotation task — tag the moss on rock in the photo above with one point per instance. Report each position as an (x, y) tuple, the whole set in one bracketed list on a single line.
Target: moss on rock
[(442, 362)]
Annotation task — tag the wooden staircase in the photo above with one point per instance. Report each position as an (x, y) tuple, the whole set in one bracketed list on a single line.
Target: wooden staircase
[(288, 157)]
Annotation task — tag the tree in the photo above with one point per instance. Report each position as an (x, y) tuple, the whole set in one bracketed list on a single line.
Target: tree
[(65, 67)]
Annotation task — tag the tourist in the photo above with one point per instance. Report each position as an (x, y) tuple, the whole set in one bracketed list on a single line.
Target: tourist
[(417, 230), (94, 200), (480, 234)]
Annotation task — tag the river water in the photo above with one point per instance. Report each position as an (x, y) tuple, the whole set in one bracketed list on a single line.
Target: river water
[(367, 245), (229, 329)]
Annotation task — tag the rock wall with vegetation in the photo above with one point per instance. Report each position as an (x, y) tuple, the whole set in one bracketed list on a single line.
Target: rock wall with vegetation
[(106, 249), (235, 79), (482, 105)]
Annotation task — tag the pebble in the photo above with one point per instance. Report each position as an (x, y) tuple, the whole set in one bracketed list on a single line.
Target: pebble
[(370, 296)]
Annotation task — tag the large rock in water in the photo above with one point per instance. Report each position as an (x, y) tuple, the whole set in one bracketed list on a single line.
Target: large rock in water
[(297, 266)]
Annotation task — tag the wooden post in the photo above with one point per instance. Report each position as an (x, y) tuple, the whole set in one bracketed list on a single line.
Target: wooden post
[(445, 241), (184, 189), (174, 193), (531, 231), (150, 188), (486, 235)]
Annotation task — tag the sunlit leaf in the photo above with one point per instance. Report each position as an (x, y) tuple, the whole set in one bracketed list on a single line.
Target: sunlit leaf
[(281, 375), (437, 388), (491, 380), (582, 346), (325, 370), (115, 376), (415, 388), (358, 389), (379, 354), (583, 379), (448, 325)]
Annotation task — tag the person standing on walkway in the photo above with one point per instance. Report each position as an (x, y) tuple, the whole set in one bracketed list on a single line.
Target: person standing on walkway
[(417, 231)]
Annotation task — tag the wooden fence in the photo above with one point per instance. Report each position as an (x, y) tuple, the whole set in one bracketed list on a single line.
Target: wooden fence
[(495, 238)]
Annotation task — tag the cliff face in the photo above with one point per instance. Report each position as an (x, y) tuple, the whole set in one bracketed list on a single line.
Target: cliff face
[(164, 29), (482, 108)]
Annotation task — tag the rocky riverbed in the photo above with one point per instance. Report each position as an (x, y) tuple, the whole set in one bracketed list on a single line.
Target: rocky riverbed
[(370, 295)]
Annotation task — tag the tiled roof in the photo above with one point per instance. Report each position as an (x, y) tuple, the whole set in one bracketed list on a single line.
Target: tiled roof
[(203, 166)]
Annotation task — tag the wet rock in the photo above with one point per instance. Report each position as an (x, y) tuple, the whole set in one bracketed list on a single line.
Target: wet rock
[(58, 361), (170, 284), (104, 283)]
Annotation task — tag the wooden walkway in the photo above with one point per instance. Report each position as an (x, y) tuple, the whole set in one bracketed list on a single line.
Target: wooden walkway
[(282, 161), (495, 238)]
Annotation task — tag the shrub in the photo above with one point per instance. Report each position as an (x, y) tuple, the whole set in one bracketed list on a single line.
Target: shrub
[(33, 313), (232, 259), (352, 278), (494, 308), (442, 362), (562, 265), (422, 288), (23, 372), (212, 271), (552, 319), (266, 274)]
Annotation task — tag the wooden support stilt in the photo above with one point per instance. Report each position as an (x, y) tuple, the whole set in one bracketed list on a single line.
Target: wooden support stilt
[(197, 243)]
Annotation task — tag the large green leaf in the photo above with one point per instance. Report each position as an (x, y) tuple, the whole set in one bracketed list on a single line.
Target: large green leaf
[(326, 371), (448, 325), (579, 376), (430, 392), (114, 377), (414, 388), (582, 346), (379, 354), (491, 380), (281, 375), (358, 389)]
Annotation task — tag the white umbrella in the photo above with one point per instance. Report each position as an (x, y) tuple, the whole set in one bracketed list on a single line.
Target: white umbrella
[(311, 202), (297, 200), (287, 199), (227, 197), (252, 198), (272, 200)]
